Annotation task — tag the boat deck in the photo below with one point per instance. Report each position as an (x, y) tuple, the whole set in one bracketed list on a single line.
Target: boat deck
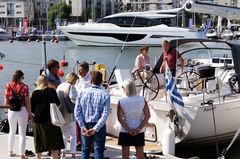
[(149, 148)]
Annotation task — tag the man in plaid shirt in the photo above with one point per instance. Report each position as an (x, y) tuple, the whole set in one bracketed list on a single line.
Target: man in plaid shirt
[(91, 111)]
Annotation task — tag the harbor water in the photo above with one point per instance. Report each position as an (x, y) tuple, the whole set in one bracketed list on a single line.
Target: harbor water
[(28, 57)]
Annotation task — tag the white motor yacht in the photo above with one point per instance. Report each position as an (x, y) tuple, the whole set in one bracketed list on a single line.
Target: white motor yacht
[(227, 34), (129, 29), (209, 88), (4, 35), (213, 34)]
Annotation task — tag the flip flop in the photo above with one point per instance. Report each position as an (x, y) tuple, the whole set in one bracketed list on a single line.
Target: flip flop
[(12, 155)]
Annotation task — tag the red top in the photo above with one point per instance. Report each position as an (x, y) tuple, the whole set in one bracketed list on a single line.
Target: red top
[(17, 86), (171, 56)]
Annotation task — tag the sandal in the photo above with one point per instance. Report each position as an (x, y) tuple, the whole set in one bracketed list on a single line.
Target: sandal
[(11, 154)]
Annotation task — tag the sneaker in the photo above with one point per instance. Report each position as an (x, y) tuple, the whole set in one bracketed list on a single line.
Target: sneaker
[(49, 153), (31, 154), (79, 147)]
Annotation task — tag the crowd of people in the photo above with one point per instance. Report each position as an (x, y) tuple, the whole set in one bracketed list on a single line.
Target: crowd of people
[(85, 106)]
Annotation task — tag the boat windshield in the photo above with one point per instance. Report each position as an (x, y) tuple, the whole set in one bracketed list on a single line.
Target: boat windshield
[(137, 21), (204, 50)]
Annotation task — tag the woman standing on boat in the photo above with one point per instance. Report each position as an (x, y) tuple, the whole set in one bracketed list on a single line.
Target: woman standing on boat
[(20, 116), (142, 60), (133, 114), (46, 135)]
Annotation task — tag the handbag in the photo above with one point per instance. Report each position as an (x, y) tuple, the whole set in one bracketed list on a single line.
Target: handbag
[(4, 126), (56, 116), (68, 103)]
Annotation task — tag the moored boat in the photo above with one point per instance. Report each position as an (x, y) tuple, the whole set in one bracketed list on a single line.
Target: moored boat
[(130, 29), (4, 35), (210, 92)]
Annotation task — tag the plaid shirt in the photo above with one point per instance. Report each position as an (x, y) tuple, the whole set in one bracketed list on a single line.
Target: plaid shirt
[(92, 106)]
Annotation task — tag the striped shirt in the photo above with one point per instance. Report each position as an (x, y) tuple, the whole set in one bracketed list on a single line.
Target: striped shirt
[(92, 106)]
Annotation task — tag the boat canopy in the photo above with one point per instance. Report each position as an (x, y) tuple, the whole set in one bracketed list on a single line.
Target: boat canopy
[(203, 44)]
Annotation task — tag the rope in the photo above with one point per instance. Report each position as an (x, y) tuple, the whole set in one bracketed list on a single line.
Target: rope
[(123, 46), (232, 141), (215, 128), (27, 63)]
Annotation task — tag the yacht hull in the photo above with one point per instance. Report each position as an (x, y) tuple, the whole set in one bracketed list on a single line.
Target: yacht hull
[(198, 128), (97, 34), (208, 89)]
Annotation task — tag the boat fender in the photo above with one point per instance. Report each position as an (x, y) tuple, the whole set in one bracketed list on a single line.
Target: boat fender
[(168, 144), (56, 40), (28, 40), (10, 41), (60, 73), (63, 63), (1, 67), (37, 40)]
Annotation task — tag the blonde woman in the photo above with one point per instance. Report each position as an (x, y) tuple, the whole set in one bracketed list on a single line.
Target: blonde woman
[(46, 136), (67, 94), (19, 117), (133, 115)]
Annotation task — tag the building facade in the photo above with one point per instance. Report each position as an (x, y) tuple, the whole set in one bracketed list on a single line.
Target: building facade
[(100, 8), (12, 12)]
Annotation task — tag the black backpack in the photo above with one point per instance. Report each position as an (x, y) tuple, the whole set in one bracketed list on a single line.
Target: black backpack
[(15, 101)]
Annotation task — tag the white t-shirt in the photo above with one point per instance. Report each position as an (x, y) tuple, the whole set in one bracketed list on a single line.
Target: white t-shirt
[(83, 82), (133, 111)]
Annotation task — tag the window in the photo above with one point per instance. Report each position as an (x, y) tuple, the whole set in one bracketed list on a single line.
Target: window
[(10, 9), (18, 6), (19, 12), (2, 12), (2, 6)]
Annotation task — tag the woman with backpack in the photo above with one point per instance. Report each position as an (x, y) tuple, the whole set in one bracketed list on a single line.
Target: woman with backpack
[(17, 97)]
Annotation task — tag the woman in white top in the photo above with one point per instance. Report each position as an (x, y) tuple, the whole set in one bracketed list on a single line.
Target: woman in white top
[(133, 114), (67, 95)]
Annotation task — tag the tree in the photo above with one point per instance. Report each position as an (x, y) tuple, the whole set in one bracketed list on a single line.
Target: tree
[(86, 14), (119, 5), (58, 10)]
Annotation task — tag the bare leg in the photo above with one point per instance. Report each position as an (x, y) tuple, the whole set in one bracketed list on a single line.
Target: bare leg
[(54, 154), (125, 152), (73, 155), (11, 154), (139, 152), (63, 154), (39, 155)]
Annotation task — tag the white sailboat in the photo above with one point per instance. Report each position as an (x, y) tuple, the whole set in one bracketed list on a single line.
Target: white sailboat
[(209, 90)]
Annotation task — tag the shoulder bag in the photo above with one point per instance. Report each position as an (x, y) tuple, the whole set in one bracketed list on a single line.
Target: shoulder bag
[(68, 103), (55, 114)]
